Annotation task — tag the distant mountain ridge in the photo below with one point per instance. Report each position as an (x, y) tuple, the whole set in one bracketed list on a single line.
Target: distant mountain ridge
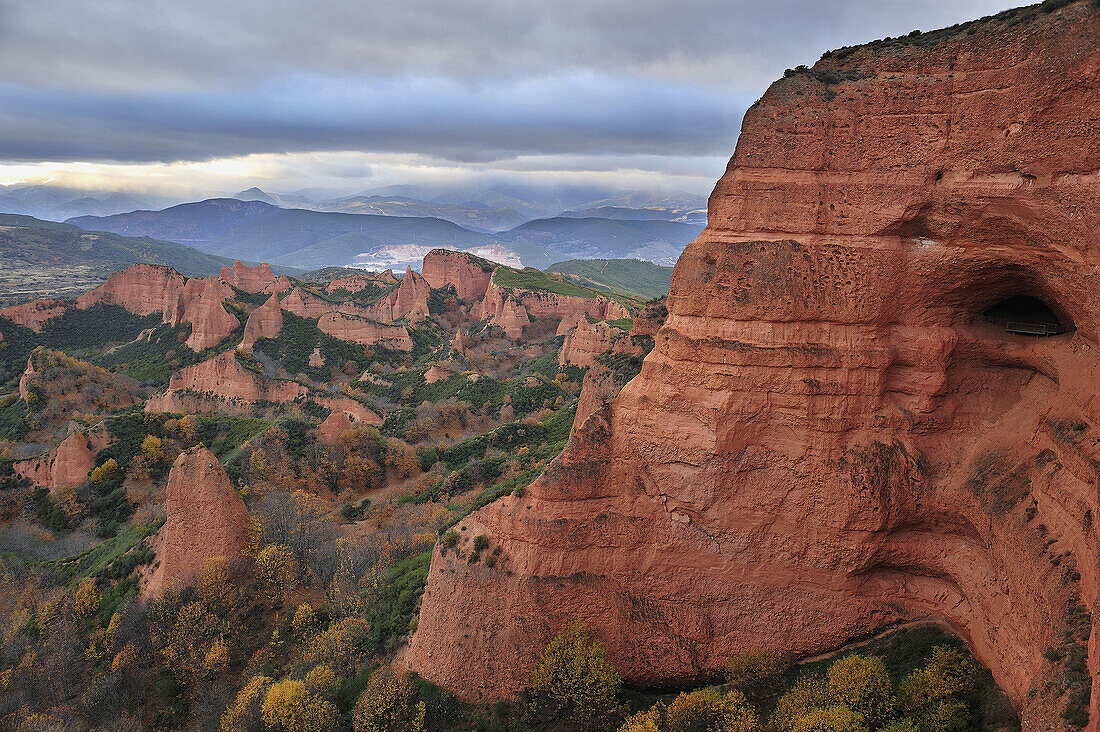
[(258, 231)]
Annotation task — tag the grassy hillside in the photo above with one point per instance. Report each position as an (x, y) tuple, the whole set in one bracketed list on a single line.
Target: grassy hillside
[(620, 276), (45, 259)]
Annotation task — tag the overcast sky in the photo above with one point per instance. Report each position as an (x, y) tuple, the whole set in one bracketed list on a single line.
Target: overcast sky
[(209, 95)]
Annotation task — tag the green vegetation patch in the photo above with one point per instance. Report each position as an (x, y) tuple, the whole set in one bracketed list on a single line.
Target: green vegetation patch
[(535, 280), (631, 277)]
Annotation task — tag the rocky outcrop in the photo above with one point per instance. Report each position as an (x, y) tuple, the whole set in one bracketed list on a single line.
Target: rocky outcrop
[(513, 310), (265, 321), (344, 415), (503, 310), (27, 379), (584, 340), (835, 430), (469, 275), (407, 300), (254, 279), (66, 466), (146, 289), (206, 519), (36, 313), (219, 384), (358, 329), (202, 304), (358, 283), (306, 304)]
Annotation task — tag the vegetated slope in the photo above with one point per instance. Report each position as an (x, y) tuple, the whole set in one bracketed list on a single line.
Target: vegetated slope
[(622, 276), (657, 241), (43, 258)]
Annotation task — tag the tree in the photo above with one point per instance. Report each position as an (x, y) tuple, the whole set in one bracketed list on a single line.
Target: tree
[(753, 670), (153, 449), (108, 471), (830, 719), (574, 686), (708, 711), (389, 704), (805, 696), (291, 707), (861, 684), (277, 569), (244, 714), (87, 597)]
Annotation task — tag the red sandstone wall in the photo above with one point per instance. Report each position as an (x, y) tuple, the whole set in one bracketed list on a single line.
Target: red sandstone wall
[(827, 437)]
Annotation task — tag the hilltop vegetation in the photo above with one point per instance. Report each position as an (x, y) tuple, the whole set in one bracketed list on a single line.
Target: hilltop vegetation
[(633, 277)]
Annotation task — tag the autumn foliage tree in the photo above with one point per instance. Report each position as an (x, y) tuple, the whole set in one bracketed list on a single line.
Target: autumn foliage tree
[(389, 704), (574, 686)]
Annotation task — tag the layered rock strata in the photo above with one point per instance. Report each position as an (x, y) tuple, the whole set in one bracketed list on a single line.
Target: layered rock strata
[(838, 428), (254, 279)]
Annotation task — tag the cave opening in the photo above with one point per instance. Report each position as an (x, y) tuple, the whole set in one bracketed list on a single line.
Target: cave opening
[(1027, 315)]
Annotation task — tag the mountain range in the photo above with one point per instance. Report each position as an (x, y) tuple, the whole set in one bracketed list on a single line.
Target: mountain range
[(293, 237)]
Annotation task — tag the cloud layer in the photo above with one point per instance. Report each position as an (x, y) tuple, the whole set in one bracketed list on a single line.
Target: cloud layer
[(472, 81)]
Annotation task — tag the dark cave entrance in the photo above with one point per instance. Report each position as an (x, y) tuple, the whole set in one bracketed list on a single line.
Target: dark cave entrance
[(1027, 315)]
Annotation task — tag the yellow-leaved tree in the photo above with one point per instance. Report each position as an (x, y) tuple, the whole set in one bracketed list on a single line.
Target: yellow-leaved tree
[(390, 703), (574, 686), (291, 707)]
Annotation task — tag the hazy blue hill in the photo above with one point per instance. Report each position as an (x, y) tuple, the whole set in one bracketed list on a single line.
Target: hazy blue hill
[(44, 258), (188, 223), (590, 238), (254, 230), (313, 239), (621, 276), (291, 237)]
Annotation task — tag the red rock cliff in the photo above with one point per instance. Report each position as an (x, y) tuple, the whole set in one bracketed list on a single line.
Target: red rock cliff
[(36, 313), (468, 274), (221, 383), (206, 519), (146, 289), (265, 321), (254, 279), (831, 434)]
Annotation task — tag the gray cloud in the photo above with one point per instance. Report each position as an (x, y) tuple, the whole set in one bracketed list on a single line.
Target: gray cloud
[(461, 80)]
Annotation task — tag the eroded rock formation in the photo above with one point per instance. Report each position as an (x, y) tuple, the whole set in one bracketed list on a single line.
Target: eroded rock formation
[(468, 274), (67, 465), (254, 279), (344, 415), (407, 300), (36, 313), (265, 321), (837, 428), (221, 383), (358, 329), (513, 309), (357, 283), (146, 289), (206, 519)]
